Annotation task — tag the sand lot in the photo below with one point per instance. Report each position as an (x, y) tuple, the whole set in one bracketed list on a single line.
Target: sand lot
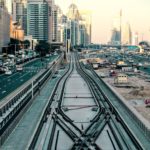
[(138, 91)]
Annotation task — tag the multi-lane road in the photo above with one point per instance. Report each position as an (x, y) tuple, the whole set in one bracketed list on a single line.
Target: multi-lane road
[(9, 83)]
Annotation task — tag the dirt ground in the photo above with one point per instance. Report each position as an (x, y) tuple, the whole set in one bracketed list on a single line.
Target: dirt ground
[(138, 91)]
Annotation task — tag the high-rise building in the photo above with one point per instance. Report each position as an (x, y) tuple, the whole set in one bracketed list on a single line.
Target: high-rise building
[(16, 31), (126, 34), (19, 13), (116, 29), (9, 5), (115, 37), (82, 33), (54, 22), (4, 25), (50, 19), (73, 23), (37, 19), (60, 23), (86, 17), (73, 12), (75, 34), (80, 26), (135, 38)]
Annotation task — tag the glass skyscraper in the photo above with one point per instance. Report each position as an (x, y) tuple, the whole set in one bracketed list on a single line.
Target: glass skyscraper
[(37, 19)]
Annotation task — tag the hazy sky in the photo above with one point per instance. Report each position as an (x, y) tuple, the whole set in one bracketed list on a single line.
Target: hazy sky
[(136, 12)]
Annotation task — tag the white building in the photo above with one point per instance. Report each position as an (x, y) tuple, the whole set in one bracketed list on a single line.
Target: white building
[(121, 79), (126, 34), (135, 39)]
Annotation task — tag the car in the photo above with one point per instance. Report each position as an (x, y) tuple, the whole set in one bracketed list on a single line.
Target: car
[(56, 72), (54, 76), (47, 56), (19, 67), (4, 68), (8, 72)]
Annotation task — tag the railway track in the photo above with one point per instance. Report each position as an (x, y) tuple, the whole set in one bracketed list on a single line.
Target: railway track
[(59, 128)]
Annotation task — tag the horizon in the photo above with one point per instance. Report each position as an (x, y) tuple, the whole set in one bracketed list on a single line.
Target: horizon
[(106, 11)]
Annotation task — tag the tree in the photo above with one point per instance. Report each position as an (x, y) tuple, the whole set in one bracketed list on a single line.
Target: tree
[(43, 48), (26, 44), (14, 45)]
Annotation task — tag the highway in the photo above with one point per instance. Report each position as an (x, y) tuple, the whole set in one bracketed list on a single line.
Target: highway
[(9, 83), (76, 110)]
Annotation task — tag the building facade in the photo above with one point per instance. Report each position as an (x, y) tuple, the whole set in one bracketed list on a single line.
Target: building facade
[(135, 38), (126, 34), (80, 26), (37, 19), (115, 37), (116, 30), (4, 26), (16, 31), (19, 13), (54, 23), (86, 16), (50, 19)]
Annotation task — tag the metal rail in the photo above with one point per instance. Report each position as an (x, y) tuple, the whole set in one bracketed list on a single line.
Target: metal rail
[(128, 140), (121, 136), (54, 113)]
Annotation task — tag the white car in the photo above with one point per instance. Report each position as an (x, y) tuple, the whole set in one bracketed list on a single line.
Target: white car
[(19, 68), (8, 72)]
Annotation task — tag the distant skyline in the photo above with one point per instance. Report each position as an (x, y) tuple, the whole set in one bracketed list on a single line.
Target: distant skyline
[(136, 12)]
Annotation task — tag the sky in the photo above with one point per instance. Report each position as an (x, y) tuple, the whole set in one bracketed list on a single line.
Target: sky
[(136, 12)]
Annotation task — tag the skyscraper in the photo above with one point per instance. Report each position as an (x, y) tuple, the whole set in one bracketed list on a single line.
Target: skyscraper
[(80, 26), (50, 19), (54, 22), (37, 19), (19, 13), (116, 30), (82, 33), (135, 38), (73, 12), (126, 34), (60, 21), (86, 18), (9, 5), (73, 21), (4, 25)]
